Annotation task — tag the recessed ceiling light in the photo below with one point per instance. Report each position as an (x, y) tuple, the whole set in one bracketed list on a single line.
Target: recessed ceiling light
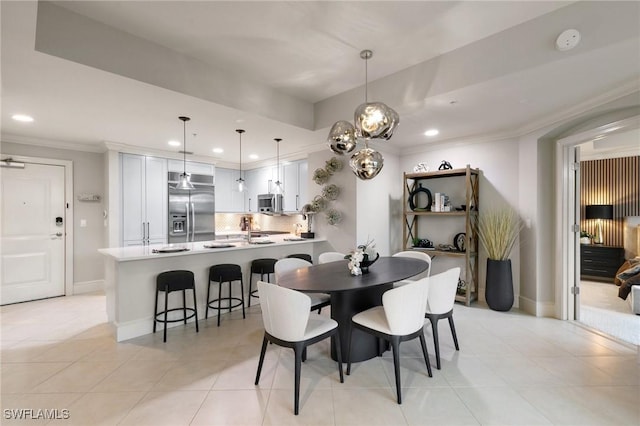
[(22, 117), (218, 150), (431, 132), (174, 143), (254, 156)]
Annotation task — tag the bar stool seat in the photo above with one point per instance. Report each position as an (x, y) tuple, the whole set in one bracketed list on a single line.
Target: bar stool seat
[(303, 256), (263, 267), (168, 282), (225, 273)]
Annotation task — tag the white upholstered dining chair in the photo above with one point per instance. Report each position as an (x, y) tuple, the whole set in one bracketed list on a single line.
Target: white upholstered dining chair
[(400, 318), (442, 296), (414, 255), (287, 323), (318, 300), (330, 256)]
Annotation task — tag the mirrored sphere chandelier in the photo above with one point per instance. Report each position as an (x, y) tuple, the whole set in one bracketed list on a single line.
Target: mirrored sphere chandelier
[(373, 120)]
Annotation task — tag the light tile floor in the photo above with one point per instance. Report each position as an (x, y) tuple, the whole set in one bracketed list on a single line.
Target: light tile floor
[(512, 369)]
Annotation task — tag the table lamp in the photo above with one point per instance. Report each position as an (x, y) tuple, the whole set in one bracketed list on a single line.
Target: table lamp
[(599, 212)]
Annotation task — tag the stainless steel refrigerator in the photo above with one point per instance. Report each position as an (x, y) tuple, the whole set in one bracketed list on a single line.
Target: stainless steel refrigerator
[(192, 213)]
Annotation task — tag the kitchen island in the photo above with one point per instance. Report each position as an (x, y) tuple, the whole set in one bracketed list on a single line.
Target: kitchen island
[(130, 275)]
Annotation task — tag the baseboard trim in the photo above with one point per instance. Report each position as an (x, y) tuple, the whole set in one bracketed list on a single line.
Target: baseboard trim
[(88, 286), (538, 309)]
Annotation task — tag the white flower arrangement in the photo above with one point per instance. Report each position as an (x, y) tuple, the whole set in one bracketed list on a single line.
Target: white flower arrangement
[(363, 253)]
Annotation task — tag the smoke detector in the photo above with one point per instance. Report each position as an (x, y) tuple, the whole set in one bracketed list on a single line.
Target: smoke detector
[(567, 40)]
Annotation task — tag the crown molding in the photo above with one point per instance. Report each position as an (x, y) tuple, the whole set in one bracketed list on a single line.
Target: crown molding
[(50, 143)]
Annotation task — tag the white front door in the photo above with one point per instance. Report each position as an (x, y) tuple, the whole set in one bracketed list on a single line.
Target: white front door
[(33, 232)]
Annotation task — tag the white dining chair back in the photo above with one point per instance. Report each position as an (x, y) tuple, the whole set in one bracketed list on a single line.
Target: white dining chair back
[(318, 300), (404, 306), (330, 256), (288, 264), (285, 312), (442, 296), (414, 255), (442, 291)]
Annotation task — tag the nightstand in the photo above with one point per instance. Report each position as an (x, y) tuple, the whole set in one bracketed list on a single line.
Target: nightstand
[(600, 262)]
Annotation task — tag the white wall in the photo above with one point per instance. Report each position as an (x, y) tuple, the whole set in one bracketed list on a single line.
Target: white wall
[(379, 207), (88, 177), (343, 235)]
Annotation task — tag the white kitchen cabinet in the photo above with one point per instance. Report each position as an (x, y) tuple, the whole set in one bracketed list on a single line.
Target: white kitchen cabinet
[(192, 167), (295, 186), (144, 199), (228, 198), (259, 181)]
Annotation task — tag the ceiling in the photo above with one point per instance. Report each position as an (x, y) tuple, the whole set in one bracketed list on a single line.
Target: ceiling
[(96, 73)]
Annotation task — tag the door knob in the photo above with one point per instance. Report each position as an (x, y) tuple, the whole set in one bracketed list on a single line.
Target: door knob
[(57, 234)]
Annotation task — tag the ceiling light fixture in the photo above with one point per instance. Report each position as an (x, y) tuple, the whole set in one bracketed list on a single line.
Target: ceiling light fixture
[(432, 132), (373, 120), (185, 181), (240, 180), (23, 118), (218, 150), (278, 189), (174, 143)]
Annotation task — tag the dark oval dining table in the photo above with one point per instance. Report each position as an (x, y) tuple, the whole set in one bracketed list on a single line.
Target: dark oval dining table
[(352, 294)]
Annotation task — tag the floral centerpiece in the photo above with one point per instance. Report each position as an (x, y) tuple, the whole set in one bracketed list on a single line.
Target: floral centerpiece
[(362, 257)]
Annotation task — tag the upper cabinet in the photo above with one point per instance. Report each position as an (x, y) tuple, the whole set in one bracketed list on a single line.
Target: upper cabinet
[(144, 199), (228, 198), (192, 167), (258, 181), (295, 185)]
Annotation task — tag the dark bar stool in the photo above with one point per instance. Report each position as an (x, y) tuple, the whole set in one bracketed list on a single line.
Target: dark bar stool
[(303, 256), (175, 281), (225, 273), (263, 267)]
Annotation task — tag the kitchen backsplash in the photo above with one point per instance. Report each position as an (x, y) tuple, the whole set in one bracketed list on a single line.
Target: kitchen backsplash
[(231, 222)]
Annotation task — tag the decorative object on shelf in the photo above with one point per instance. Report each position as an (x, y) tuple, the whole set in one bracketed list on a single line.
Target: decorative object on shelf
[(497, 231), (321, 176), (420, 168), (462, 287), (422, 243), (373, 120), (318, 204), (445, 165), (599, 212), (412, 199), (459, 241), (585, 237), (362, 257), (331, 192), (333, 165), (278, 185), (240, 180), (463, 207), (185, 179), (333, 217)]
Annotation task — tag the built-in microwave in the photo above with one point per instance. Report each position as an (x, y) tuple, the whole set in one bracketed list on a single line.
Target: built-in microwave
[(270, 203)]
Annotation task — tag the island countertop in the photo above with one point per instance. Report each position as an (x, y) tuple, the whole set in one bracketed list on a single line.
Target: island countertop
[(130, 275), (124, 254)]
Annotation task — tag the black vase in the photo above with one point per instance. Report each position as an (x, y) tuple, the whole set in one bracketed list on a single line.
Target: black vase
[(499, 289)]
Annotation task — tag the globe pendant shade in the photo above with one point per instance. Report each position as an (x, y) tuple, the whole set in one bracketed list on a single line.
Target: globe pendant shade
[(342, 137), (374, 120), (366, 163)]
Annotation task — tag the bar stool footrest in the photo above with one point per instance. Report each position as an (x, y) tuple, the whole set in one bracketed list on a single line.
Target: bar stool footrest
[(226, 299), (193, 314)]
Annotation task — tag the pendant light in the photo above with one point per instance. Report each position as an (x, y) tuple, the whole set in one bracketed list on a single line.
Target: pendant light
[(278, 189), (373, 120), (184, 182), (240, 180)]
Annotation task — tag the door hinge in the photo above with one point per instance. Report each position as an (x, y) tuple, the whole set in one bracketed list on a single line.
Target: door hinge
[(575, 166), (575, 290), (575, 228)]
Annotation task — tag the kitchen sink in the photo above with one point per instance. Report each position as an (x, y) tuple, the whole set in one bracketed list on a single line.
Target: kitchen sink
[(261, 242)]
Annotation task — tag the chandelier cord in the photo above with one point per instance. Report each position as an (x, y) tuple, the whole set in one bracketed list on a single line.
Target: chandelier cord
[(366, 80)]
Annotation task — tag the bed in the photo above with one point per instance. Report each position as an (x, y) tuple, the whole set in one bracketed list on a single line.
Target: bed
[(628, 280)]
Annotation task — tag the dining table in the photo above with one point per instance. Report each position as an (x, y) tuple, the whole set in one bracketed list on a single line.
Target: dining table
[(351, 294)]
